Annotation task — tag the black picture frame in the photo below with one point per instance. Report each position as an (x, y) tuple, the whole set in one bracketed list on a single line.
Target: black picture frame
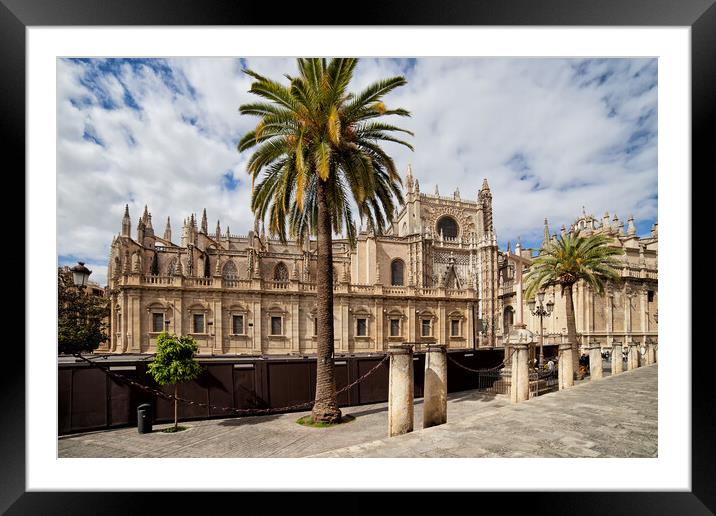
[(699, 15)]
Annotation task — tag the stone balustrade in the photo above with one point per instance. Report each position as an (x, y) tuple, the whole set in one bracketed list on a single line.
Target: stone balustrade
[(218, 283)]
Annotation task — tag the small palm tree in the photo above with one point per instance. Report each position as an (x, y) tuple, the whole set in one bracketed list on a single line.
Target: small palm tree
[(318, 151), (572, 258)]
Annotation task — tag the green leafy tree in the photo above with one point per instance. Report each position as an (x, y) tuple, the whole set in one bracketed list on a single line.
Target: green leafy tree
[(175, 363), (82, 317), (573, 257), (318, 152), (154, 269)]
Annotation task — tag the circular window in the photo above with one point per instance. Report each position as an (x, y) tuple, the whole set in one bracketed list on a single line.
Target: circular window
[(447, 226)]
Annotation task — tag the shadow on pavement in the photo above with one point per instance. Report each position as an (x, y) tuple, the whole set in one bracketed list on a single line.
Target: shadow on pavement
[(249, 420)]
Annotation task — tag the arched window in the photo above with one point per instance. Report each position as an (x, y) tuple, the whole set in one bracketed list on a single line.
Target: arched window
[(448, 227), (280, 272), (508, 320), (397, 270), (229, 271)]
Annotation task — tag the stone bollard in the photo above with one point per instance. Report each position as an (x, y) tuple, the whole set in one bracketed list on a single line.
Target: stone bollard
[(596, 371), (400, 390), (435, 397), (617, 358), (566, 374), (649, 352), (519, 339), (633, 356)]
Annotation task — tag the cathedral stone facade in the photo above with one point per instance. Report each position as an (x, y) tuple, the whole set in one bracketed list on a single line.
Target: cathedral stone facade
[(628, 310), (436, 275)]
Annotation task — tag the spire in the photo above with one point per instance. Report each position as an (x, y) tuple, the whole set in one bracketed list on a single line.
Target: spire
[(140, 231), (563, 231), (509, 247), (218, 229), (485, 186), (545, 237), (437, 192), (456, 195), (145, 215), (631, 228), (126, 222), (417, 186), (204, 224), (605, 220), (518, 247), (228, 232), (409, 179), (168, 231), (148, 228)]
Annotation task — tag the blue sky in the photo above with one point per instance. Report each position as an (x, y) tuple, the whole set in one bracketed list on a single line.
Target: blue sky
[(550, 135)]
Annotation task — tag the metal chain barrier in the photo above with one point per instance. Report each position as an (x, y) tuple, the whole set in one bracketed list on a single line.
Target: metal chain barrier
[(498, 366), (247, 412)]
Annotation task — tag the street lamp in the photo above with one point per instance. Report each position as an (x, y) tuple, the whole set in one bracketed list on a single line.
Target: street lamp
[(80, 273), (541, 312)]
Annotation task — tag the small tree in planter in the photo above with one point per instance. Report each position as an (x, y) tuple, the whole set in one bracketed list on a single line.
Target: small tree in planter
[(174, 363)]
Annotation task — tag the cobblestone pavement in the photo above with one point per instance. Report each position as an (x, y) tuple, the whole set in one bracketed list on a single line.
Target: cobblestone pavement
[(260, 436), (613, 417)]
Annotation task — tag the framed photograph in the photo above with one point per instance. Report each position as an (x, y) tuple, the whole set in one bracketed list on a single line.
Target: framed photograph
[(67, 71)]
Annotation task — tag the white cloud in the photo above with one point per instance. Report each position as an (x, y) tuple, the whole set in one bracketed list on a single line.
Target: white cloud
[(551, 135)]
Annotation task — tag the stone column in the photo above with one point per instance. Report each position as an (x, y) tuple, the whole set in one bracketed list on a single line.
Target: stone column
[(519, 339), (633, 361), (649, 352), (566, 364), (435, 397), (520, 382), (400, 390), (595, 360), (617, 358)]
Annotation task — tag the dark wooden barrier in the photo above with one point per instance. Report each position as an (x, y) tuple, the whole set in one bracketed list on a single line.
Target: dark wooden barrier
[(89, 399)]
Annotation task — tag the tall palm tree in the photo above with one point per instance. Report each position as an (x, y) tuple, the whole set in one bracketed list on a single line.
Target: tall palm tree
[(572, 258), (318, 156)]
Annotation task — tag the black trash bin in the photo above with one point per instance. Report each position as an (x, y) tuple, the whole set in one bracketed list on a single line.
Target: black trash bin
[(144, 418)]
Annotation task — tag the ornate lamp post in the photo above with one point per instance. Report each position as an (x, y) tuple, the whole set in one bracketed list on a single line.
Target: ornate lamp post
[(541, 312), (80, 273)]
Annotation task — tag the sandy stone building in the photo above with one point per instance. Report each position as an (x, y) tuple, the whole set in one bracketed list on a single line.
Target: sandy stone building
[(628, 310), (436, 275)]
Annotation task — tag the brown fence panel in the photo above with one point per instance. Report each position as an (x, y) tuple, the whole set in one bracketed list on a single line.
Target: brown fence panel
[(373, 389), (418, 374), (89, 399), (120, 401), (289, 383), (246, 392), (195, 391), (342, 379), (64, 401), (221, 388)]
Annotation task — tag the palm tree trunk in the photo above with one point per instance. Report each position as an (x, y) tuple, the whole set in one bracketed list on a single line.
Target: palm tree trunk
[(572, 327), (176, 409), (326, 407)]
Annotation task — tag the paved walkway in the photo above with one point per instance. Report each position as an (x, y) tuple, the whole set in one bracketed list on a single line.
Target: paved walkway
[(614, 417)]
